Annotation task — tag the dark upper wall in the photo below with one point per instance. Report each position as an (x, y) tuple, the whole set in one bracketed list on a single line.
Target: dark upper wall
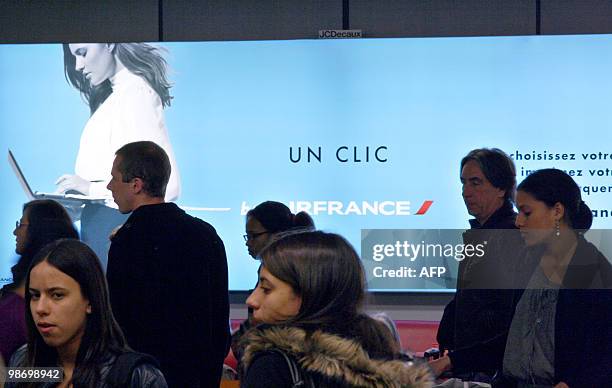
[(24, 21)]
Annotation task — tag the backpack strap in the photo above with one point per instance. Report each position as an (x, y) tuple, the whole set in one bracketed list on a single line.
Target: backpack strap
[(294, 370), (120, 374)]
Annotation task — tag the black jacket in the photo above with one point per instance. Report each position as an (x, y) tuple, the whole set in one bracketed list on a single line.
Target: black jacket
[(167, 275), (475, 324), (583, 319), (144, 375)]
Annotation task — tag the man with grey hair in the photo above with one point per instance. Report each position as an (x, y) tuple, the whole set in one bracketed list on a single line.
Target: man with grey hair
[(475, 323)]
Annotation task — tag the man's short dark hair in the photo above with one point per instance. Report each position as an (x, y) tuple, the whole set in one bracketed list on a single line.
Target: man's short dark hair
[(497, 167), (147, 161)]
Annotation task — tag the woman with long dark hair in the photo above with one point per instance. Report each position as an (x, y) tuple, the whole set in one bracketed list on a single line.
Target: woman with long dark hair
[(71, 325), (42, 221), (562, 319), (126, 89), (309, 298)]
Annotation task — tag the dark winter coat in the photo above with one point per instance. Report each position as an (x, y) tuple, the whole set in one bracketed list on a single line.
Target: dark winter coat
[(167, 276), (475, 324), (328, 359)]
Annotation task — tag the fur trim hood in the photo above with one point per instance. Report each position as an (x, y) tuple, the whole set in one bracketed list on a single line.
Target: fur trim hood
[(336, 358)]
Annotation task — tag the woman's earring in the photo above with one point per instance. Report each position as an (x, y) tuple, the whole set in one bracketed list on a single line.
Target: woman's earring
[(557, 230)]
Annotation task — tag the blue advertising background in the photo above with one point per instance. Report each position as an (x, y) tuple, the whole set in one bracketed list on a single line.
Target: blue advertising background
[(238, 107)]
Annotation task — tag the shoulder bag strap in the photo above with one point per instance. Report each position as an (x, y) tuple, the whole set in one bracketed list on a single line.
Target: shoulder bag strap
[(294, 370)]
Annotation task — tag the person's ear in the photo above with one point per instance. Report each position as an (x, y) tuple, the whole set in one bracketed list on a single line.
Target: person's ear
[(501, 193), (559, 211), (137, 185)]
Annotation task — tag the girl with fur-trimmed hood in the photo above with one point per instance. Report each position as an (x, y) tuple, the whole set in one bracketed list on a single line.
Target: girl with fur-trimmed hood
[(308, 299)]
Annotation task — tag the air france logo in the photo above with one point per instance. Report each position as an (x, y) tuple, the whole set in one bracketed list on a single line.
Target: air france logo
[(352, 208)]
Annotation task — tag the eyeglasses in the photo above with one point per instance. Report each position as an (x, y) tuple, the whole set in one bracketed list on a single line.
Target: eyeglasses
[(19, 224), (251, 236)]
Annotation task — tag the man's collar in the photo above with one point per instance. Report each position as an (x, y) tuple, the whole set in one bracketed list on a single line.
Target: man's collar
[(504, 211), (146, 210), (143, 199)]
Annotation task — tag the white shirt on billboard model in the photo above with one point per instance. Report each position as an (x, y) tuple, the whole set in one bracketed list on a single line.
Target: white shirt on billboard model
[(132, 112)]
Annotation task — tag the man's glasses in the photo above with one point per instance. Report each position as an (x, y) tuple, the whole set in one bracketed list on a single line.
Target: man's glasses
[(251, 236)]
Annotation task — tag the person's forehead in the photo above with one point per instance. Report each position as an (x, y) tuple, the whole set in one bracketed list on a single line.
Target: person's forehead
[(253, 224), (75, 46), (265, 275), (471, 169), (524, 198), (116, 163), (264, 280), (50, 276)]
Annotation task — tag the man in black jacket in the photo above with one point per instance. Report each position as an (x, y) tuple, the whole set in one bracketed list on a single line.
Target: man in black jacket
[(167, 273), (475, 323)]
